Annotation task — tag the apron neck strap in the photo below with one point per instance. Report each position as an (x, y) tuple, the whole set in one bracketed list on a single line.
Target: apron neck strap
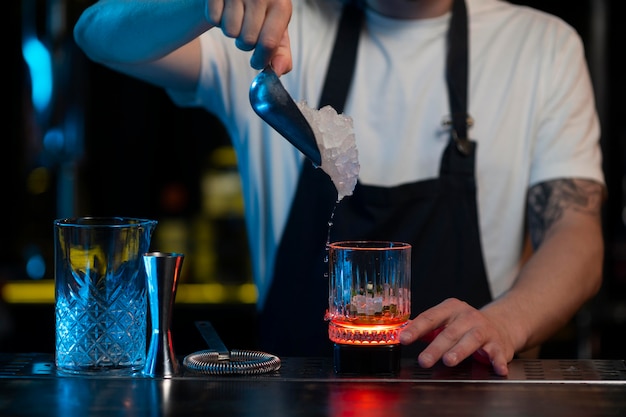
[(457, 69), (343, 61)]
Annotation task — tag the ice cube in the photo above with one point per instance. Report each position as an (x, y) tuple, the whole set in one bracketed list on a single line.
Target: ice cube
[(335, 138)]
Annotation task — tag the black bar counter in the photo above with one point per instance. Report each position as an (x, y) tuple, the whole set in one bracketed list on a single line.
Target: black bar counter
[(29, 386)]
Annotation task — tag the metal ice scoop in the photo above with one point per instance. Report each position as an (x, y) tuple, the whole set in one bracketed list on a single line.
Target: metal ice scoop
[(274, 105)]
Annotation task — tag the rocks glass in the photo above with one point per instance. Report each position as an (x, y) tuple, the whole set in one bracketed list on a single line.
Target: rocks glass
[(369, 303)]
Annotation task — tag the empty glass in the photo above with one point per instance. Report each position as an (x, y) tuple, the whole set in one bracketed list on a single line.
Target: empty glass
[(100, 291)]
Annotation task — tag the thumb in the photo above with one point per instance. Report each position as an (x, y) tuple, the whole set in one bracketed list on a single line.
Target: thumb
[(282, 61)]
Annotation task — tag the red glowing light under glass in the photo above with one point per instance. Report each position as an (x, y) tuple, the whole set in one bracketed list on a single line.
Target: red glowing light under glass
[(365, 334)]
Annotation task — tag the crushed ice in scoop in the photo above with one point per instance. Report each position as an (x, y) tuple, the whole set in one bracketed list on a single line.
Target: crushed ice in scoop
[(335, 138)]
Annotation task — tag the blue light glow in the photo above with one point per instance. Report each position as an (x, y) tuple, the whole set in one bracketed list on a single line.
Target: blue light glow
[(53, 140), (39, 63), (36, 267)]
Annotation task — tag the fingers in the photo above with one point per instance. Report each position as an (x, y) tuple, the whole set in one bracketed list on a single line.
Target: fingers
[(256, 25), (214, 11), (281, 61), (430, 323), (453, 345), (273, 44), (494, 356), (456, 331)]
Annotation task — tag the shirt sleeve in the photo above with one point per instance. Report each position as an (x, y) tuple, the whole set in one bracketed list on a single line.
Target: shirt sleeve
[(568, 144)]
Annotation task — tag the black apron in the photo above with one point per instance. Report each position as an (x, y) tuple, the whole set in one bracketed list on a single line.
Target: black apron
[(438, 217)]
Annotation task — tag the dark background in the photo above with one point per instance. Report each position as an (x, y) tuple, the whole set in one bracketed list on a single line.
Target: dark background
[(134, 150)]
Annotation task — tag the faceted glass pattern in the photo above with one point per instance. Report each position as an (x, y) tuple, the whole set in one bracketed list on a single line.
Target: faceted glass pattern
[(101, 295), (369, 291), (102, 332)]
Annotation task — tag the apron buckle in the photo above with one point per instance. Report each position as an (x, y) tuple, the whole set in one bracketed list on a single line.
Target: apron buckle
[(464, 144)]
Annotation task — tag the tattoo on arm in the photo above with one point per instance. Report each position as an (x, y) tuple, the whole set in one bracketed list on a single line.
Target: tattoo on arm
[(548, 201)]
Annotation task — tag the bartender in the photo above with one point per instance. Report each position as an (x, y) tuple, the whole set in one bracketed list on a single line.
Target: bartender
[(478, 143)]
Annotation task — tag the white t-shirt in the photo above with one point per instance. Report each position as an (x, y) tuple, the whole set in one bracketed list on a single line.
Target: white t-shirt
[(530, 96)]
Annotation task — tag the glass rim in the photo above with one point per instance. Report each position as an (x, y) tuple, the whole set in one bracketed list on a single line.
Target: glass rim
[(158, 254), (103, 221), (370, 245)]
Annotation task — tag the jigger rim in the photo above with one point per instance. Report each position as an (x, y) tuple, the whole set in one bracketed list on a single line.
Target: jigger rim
[(158, 254)]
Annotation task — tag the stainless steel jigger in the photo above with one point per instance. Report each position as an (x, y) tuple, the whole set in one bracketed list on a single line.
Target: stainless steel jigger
[(163, 271)]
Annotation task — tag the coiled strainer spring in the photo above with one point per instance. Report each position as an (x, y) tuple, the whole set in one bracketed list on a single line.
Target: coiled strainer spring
[(220, 361)]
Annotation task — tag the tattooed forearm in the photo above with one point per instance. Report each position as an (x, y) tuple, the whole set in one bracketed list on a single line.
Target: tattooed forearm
[(548, 201)]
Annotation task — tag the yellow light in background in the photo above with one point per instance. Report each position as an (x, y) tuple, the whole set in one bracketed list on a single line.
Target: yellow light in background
[(200, 293), (38, 181), (214, 293), (247, 293), (42, 292)]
